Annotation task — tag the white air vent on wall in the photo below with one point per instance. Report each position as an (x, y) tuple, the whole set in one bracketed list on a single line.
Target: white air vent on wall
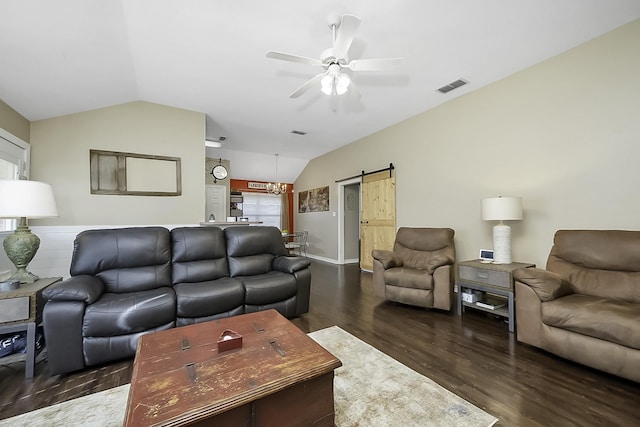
[(453, 85)]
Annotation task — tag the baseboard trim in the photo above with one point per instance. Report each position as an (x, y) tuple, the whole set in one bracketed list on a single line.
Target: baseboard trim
[(320, 258)]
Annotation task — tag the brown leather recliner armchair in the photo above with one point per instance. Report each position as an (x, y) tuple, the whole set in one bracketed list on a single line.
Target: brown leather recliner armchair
[(419, 271), (585, 306)]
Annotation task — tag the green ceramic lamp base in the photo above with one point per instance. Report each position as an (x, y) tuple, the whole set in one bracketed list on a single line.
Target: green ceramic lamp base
[(21, 247)]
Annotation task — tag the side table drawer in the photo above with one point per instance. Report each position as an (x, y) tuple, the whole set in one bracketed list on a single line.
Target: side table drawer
[(14, 309), (501, 279)]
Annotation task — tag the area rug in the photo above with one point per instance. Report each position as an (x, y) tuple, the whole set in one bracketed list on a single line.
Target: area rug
[(371, 389)]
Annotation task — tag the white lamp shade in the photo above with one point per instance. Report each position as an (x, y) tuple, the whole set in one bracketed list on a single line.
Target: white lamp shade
[(502, 209), (29, 199)]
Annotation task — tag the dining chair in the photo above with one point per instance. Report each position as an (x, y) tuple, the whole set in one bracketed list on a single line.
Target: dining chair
[(298, 244)]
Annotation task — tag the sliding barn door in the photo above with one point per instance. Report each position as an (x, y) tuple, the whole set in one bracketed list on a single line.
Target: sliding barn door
[(378, 220)]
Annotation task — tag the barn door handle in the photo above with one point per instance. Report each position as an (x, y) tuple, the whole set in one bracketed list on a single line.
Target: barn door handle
[(364, 222)]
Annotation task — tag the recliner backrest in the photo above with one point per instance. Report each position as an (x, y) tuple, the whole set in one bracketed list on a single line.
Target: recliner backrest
[(199, 254), (602, 263), (417, 246), (125, 259), (251, 249)]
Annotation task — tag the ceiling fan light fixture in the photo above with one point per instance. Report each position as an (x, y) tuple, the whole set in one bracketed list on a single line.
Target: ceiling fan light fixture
[(337, 83), (326, 84), (335, 59), (342, 82)]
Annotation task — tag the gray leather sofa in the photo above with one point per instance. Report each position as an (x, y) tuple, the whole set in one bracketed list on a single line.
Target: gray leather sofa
[(130, 281)]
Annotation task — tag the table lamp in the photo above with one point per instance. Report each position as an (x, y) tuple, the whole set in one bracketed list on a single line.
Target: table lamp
[(24, 199), (502, 209)]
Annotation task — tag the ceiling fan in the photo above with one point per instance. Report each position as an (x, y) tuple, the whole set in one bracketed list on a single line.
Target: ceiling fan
[(335, 61)]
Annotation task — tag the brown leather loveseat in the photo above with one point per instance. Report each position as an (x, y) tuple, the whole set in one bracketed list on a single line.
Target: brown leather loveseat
[(586, 305), (419, 270)]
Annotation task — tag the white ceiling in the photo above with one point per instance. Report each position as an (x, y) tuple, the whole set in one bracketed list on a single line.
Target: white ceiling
[(66, 56)]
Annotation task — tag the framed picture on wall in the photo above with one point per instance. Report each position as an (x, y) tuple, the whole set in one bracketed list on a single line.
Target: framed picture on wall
[(132, 174), (315, 200)]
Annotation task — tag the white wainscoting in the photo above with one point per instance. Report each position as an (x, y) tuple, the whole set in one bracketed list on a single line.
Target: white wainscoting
[(56, 247)]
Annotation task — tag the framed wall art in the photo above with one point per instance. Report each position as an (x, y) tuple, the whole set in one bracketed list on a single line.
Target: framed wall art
[(315, 200), (131, 174)]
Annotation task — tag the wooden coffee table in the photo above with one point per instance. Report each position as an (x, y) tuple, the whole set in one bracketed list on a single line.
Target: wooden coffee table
[(280, 376)]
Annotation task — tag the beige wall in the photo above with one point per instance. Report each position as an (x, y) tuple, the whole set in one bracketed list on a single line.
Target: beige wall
[(564, 135), (60, 156), (13, 122)]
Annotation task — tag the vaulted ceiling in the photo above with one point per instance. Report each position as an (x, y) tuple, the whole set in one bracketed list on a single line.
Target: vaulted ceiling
[(66, 56)]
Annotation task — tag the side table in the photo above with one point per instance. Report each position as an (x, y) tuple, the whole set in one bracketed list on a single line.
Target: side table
[(494, 279), (21, 310)]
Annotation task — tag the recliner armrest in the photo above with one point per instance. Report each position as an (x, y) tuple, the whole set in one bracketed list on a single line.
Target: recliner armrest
[(290, 264), (388, 259), (76, 288), (438, 261), (546, 284)]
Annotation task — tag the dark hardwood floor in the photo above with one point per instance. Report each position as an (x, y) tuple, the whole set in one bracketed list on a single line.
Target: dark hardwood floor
[(475, 357)]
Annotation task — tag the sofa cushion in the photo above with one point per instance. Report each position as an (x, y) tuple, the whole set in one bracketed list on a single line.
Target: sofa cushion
[(251, 250), (99, 350), (136, 278), (417, 247), (128, 313), (617, 250), (125, 259), (268, 288), (250, 265), (208, 298), (245, 241), (609, 320), (198, 254), (601, 263), (408, 278)]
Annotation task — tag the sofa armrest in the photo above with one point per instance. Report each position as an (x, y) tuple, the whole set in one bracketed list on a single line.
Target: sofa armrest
[(388, 259), (76, 288), (546, 284), (290, 264)]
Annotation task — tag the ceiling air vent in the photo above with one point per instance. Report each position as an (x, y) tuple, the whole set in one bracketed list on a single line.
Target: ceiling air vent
[(298, 132), (453, 85)]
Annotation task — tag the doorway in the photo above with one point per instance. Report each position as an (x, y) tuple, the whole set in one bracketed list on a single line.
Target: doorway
[(216, 197), (349, 221)]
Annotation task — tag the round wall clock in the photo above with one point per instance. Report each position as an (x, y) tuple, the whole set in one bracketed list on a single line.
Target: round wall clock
[(219, 172)]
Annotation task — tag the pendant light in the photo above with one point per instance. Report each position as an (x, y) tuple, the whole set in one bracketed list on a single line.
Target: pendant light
[(275, 187)]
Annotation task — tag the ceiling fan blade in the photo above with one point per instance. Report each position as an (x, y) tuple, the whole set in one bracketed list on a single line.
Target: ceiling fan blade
[(307, 85), (346, 31), (293, 58), (380, 64)]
